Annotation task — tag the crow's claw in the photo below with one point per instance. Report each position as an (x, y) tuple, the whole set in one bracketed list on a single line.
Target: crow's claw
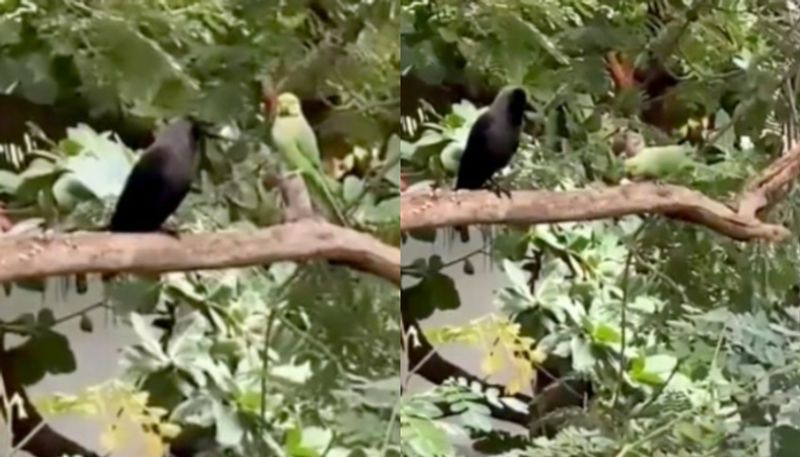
[(499, 189), (171, 230)]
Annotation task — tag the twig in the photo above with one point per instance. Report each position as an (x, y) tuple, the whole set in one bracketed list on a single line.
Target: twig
[(624, 311), (624, 319)]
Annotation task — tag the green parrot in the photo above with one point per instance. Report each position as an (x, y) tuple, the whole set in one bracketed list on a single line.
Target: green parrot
[(297, 146), (660, 162)]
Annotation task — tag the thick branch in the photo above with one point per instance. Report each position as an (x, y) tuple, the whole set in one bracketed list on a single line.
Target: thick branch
[(42, 256), (441, 209), (298, 203), (294, 193), (772, 184)]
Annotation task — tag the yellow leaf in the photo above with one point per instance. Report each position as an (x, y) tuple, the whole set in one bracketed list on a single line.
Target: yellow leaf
[(113, 438), (169, 430), (491, 363), (538, 357), (153, 446)]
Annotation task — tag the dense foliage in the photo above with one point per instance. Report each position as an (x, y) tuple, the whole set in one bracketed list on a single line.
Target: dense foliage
[(258, 361), (688, 338)]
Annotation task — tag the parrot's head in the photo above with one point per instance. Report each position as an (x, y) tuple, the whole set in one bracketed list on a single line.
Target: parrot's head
[(289, 105), (632, 167)]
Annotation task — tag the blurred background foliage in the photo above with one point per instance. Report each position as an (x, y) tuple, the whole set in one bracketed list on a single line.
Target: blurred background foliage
[(256, 361), (689, 339)]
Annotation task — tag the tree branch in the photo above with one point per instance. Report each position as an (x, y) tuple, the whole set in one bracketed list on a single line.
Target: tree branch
[(294, 193), (303, 237), (26, 257), (771, 185), (441, 209)]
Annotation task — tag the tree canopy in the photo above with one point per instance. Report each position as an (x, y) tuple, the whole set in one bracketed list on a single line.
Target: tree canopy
[(252, 360), (644, 319)]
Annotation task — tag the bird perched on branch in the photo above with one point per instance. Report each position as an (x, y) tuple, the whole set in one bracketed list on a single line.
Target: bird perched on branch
[(297, 145), (661, 162), (160, 179), (493, 139), (492, 142)]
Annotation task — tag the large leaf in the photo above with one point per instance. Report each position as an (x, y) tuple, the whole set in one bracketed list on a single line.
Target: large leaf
[(98, 163), (47, 352), (435, 291)]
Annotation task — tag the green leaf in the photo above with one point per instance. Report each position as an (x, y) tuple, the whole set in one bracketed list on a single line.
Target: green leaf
[(426, 439), (296, 373), (786, 441), (46, 318), (726, 141), (516, 275), (197, 410), (129, 51), (317, 439), (606, 334), (352, 188), (46, 352), (295, 445), (435, 264), (10, 31), (101, 165), (393, 148), (435, 291), (187, 342), (147, 337), (229, 428), (9, 182), (38, 176), (68, 191), (386, 210), (451, 156), (582, 358), (136, 294), (654, 370)]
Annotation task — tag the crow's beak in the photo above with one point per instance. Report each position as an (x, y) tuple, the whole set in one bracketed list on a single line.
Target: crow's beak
[(215, 136), (529, 106), (531, 113), (204, 126), (206, 129)]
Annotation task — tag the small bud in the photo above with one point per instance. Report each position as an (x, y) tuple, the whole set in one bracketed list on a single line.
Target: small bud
[(469, 269), (86, 324)]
